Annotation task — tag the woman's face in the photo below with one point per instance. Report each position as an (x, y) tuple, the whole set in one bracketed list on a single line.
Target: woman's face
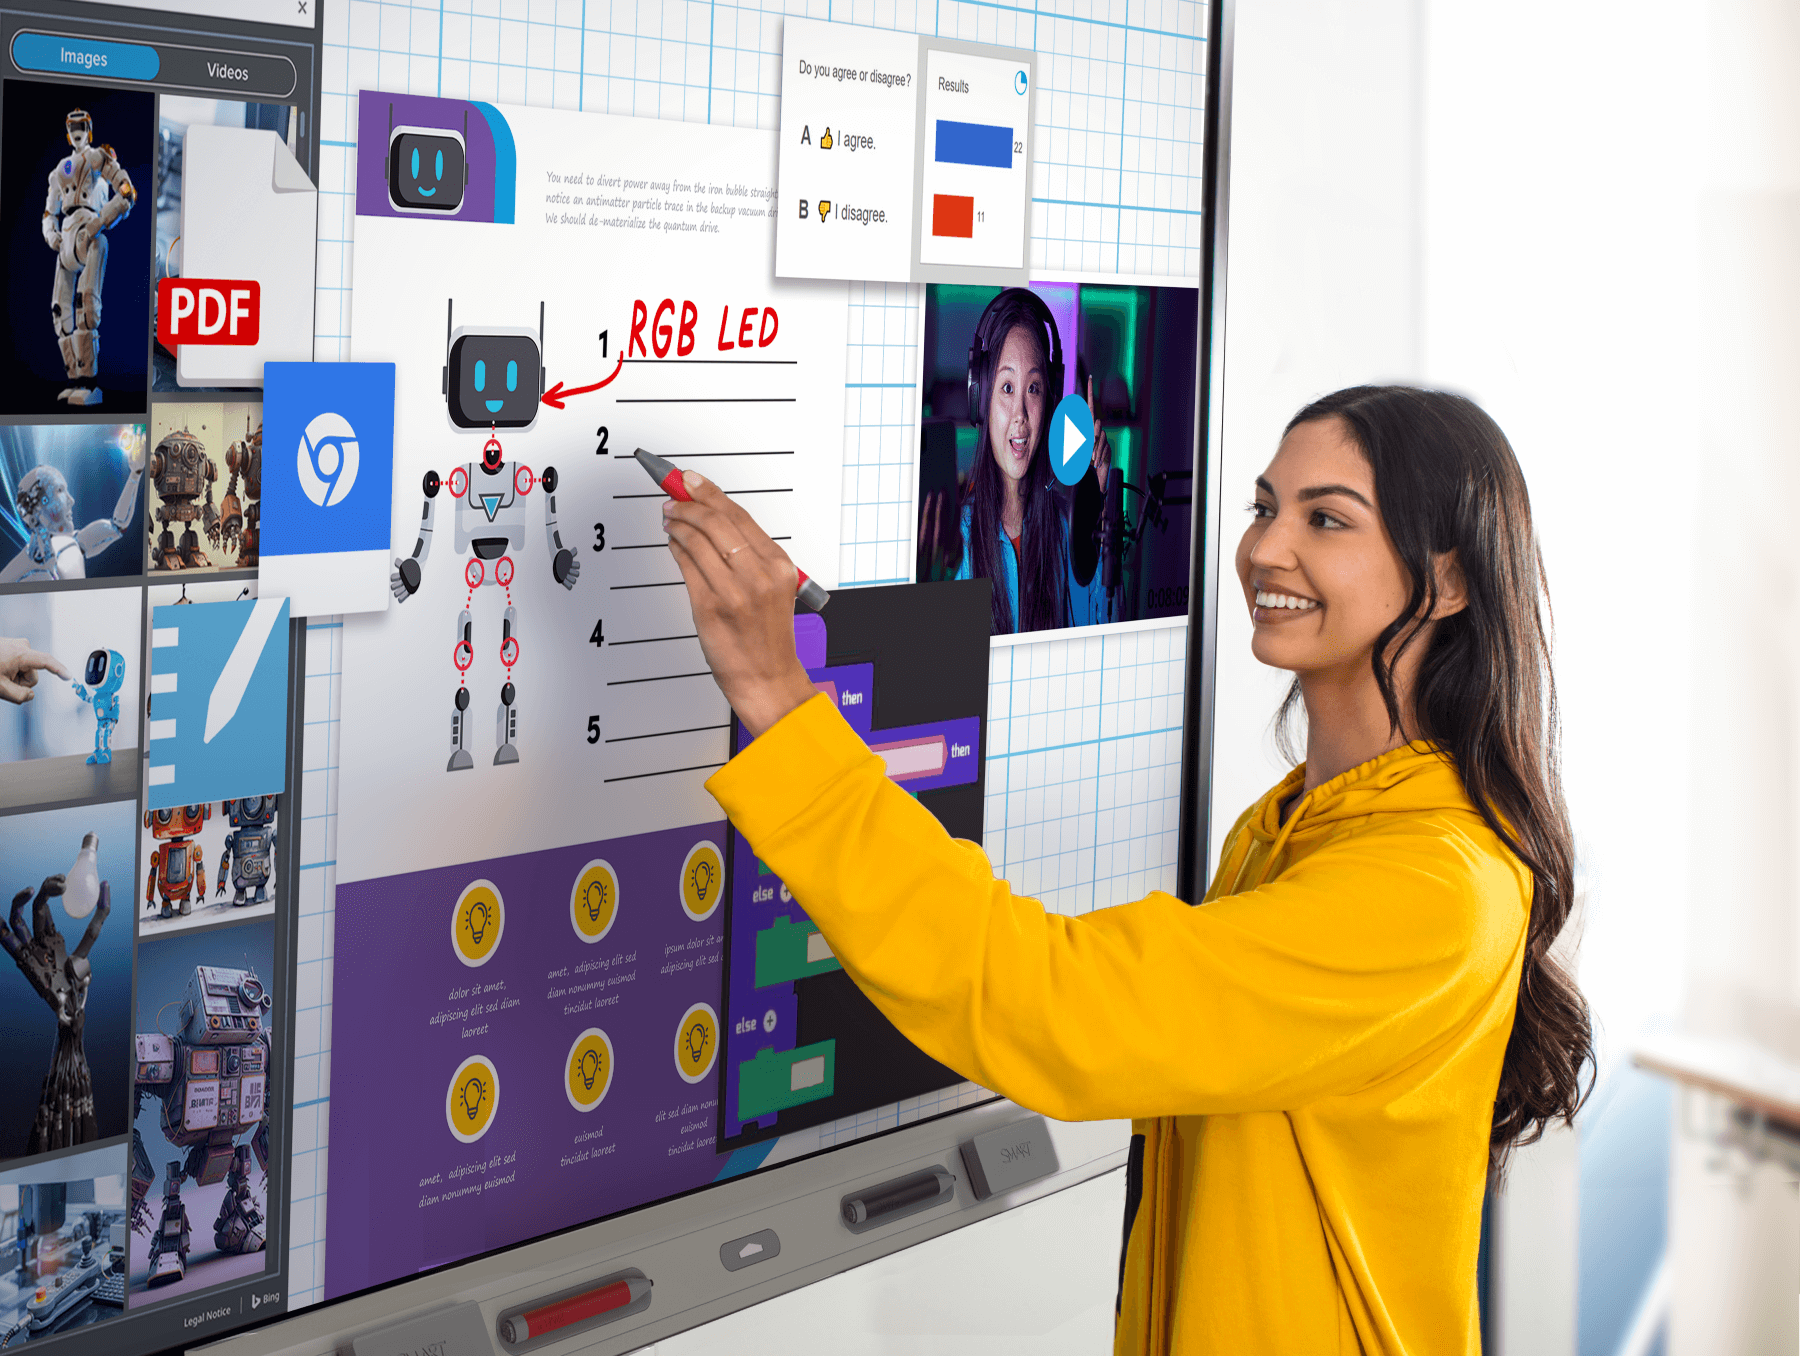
[(1321, 576), (1015, 410)]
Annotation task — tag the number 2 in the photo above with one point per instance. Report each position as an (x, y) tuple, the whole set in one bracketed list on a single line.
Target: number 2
[(603, 435)]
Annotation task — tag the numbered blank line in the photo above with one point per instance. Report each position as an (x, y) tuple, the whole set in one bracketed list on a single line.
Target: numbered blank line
[(730, 494), (663, 734), (662, 678), (704, 400), (668, 584), (666, 772), (647, 545), (651, 640), (689, 456)]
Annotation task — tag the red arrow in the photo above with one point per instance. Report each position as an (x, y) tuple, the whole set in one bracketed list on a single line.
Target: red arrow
[(555, 396)]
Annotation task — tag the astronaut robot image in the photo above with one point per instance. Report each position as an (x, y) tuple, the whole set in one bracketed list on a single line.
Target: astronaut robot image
[(105, 675), (89, 191), (54, 547), (493, 380), (211, 1077), (65, 1114)]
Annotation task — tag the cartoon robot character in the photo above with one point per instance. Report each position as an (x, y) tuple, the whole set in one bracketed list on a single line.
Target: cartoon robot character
[(493, 379), (212, 1079), (54, 547), (178, 866), (65, 1114), (89, 191), (236, 529), (427, 168), (105, 675), (182, 472), (251, 843)]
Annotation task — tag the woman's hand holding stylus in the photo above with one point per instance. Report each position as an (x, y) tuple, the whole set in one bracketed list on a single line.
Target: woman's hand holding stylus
[(741, 587)]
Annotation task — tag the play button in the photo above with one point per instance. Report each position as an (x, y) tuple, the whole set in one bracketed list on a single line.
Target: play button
[(1071, 439)]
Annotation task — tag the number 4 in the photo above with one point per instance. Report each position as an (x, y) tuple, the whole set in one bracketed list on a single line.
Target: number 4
[(599, 636)]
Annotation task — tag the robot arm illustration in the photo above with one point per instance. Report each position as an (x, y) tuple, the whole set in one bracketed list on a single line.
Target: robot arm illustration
[(124, 192), (53, 206), (65, 1114), (565, 565), (408, 574), (103, 532)]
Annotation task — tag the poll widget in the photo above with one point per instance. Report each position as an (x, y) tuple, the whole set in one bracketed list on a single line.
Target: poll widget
[(904, 158)]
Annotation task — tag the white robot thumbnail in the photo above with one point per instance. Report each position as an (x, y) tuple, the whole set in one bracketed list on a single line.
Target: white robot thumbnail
[(89, 191), (493, 380), (54, 547), (212, 1078)]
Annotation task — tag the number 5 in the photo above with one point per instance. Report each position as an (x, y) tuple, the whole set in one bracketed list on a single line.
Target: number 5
[(593, 729)]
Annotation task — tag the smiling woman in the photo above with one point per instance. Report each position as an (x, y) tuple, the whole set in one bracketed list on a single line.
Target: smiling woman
[(1327, 1061)]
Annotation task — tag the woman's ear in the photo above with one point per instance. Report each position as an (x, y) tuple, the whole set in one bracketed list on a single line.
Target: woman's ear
[(1452, 587)]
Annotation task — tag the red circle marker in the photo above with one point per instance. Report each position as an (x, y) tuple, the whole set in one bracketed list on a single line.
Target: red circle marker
[(524, 480), (459, 482), (474, 572), (463, 655), (503, 571), (510, 643)]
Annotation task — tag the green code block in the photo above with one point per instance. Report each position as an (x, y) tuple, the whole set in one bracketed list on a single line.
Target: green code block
[(789, 951), (774, 1081)]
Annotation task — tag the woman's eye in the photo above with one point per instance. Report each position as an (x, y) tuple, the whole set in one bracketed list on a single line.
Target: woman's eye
[(1006, 388), (1257, 509), (1321, 518)]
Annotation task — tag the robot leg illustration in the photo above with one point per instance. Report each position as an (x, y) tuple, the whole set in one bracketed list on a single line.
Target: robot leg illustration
[(239, 1227), (103, 729), (507, 717), (62, 317), (460, 758), (172, 1233), (87, 302)]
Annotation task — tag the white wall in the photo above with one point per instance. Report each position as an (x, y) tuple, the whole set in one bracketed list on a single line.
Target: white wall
[(1323, 282)]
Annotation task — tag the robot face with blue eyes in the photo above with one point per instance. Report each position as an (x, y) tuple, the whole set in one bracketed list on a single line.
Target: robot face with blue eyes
[(427, 170), (105, 672), (493, 379), (45, 504)]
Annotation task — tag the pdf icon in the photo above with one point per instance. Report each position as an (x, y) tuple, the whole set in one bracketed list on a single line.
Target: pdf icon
[(208, 311)]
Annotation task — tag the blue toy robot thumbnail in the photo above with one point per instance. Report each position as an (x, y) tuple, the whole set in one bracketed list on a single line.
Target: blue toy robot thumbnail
[(251, 843), (105, 674)]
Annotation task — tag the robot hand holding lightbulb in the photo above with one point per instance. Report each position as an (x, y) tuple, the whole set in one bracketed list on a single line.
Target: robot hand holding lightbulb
[(65, 1115)]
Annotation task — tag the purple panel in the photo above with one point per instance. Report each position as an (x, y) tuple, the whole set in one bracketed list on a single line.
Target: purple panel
[(415, 110), (402, 1023)]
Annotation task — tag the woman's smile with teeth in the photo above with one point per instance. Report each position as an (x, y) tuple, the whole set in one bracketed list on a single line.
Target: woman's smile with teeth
[(1266, 599)]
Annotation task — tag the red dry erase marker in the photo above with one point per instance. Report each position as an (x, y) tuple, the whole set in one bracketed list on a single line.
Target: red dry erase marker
[(668, 476), (565, 1313)]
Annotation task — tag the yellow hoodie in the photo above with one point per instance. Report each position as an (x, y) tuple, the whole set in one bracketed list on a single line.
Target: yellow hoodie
[(1311, 1058)]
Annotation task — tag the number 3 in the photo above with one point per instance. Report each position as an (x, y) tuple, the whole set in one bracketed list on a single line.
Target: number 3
[(599, 536)]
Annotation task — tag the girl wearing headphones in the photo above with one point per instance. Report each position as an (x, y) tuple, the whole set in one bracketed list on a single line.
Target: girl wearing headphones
[(1328, 1060), (1015, 521)]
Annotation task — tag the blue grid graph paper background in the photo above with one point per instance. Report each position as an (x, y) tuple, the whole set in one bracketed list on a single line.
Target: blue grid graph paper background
[(1083, 778)]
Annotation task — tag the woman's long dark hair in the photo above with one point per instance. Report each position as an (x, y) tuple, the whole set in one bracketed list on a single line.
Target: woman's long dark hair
[(1043, 538), (1446, 480)]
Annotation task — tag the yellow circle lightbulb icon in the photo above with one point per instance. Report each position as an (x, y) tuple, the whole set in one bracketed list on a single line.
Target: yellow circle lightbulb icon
[(472, 1098), (696, 1042), (594, 901), (477, 923), (702, 880), (588, 1071)]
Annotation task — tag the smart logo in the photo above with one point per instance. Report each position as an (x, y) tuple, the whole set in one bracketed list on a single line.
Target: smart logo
[(327, 459)]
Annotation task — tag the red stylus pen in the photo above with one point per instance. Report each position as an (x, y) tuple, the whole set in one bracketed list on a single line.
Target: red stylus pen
[(566, 1313), (668, 476)]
